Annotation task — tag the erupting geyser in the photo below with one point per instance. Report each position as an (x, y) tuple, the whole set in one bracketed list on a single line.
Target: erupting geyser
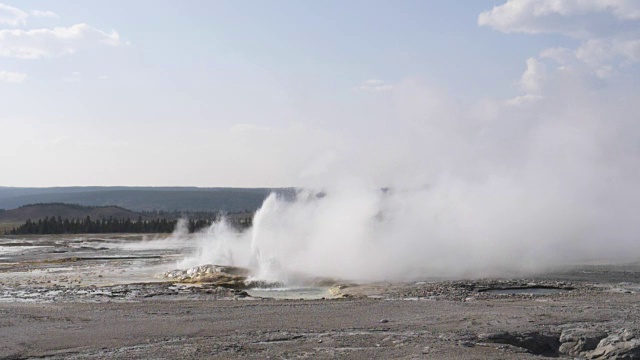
[(452, 194), (450, 229)]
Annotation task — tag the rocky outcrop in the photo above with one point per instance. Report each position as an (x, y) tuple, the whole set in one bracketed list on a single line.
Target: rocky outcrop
[(580, 342), (235, 277), (538, 343), (621, 344), (225, 276)]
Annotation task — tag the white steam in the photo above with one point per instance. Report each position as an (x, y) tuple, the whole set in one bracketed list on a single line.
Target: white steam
[(449, 229), (219, 244), (545, 179), (532, 188)]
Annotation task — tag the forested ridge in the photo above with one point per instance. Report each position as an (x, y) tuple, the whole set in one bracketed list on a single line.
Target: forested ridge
[(60, 218), (144, 198), (57, 225)]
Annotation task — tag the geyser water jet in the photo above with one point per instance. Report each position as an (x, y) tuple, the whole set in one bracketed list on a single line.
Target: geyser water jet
[(524, 189), (450, 229), (218, 244)]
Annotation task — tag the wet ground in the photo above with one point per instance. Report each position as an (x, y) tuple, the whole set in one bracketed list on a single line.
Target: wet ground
[(100, 297)]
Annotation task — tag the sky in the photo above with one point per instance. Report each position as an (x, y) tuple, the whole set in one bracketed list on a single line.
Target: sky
[(302, 93)]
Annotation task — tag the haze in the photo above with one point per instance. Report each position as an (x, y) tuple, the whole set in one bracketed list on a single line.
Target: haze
[(242, 94)]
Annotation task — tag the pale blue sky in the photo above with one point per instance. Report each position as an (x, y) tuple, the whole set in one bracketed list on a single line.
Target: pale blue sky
[(193, 92)]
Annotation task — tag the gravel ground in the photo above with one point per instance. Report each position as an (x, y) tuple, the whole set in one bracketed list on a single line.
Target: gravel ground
[(346, 328), (70, 309)]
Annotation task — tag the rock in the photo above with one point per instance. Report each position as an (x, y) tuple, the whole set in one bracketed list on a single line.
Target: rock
[(578, 342), (206, 269), (225, 276), (534, 342), (322, 281), (262, 284), (336, 290), (620, 345)]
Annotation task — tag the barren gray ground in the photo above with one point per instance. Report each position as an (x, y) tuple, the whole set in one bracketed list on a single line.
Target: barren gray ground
[(76, 309)]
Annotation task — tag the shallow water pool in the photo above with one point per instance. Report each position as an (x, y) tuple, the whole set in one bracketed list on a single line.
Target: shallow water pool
[(307, 293), (527, 291)]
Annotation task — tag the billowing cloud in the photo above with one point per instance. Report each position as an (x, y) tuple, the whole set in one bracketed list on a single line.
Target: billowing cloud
[(597, 52), (576, 18), (12, 77), (375, 85), (47, 43), (44, 14), (602, 57), (532, 83), (12, 16), (533, 78), (608, 31), (559, 54)]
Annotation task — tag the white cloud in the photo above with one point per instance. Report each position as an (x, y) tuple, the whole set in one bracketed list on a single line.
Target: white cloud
[(12, 77), (12, 16), (533, 78), (559, 54), (532, 83), (570, 17), (524, 99), (47, 43), (598, 52), (601, 56), (44, 14), (375, 85), (608, 31)]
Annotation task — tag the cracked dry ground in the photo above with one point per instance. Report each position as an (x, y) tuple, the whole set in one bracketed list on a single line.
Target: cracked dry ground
[(511, 327)]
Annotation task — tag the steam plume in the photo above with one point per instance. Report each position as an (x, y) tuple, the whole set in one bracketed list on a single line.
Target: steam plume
[(500, 187)]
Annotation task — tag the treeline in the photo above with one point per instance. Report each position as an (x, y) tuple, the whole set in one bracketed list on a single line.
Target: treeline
[(72, 206), (196, 215), (56, 225)]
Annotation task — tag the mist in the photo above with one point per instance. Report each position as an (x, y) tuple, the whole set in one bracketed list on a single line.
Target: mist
[(423, 183), (522, 191)]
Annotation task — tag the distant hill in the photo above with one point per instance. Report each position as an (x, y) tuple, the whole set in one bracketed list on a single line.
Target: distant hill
[(65, 211), (143, 198)]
